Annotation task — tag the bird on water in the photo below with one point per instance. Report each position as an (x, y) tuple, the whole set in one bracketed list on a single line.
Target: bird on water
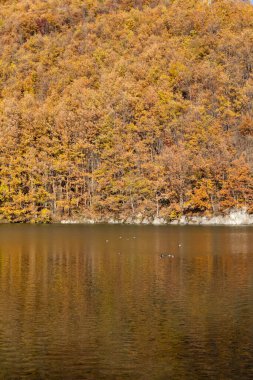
[(164, 255)]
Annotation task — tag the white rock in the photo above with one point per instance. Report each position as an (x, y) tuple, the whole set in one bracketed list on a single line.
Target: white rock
[(158, 221)]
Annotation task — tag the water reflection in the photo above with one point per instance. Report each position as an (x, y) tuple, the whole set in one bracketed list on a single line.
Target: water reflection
[(98, 302)]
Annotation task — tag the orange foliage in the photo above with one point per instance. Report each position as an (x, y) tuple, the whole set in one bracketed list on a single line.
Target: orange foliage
[(116, 108)]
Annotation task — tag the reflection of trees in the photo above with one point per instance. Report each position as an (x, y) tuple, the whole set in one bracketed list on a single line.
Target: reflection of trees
[(65, 293)]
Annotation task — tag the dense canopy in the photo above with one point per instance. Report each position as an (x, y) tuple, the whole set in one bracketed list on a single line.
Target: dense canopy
[(125, 108)]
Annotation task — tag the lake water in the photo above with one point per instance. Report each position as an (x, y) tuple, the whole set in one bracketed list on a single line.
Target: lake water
[(97, 302)]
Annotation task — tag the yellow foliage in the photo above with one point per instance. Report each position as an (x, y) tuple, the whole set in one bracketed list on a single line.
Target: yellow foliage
[(120, 107)]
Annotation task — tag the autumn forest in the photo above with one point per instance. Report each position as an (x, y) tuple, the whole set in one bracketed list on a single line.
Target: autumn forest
[(124, 109)]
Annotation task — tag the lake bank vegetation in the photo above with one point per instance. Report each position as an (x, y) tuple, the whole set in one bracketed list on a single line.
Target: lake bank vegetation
[(114, 109)]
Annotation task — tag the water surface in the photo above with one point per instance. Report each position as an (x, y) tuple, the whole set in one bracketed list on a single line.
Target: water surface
[(98, 302)]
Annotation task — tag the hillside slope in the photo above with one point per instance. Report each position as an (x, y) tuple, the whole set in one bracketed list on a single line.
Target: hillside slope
[(121, 108)]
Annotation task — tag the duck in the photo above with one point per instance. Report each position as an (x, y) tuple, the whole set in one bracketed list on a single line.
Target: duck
[(164, 255)]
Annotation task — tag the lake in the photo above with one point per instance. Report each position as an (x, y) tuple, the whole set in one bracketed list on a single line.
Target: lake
[(98, 302)]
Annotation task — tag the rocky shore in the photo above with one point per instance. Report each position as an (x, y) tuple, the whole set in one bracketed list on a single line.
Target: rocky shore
[(233, 218)]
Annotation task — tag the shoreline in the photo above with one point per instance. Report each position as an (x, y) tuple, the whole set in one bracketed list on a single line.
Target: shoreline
[(234, 218)]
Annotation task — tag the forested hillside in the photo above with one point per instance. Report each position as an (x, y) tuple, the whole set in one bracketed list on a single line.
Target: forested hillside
[(123, 108)]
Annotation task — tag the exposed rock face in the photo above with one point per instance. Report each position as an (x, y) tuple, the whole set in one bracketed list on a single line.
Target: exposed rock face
[(234, 218)]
